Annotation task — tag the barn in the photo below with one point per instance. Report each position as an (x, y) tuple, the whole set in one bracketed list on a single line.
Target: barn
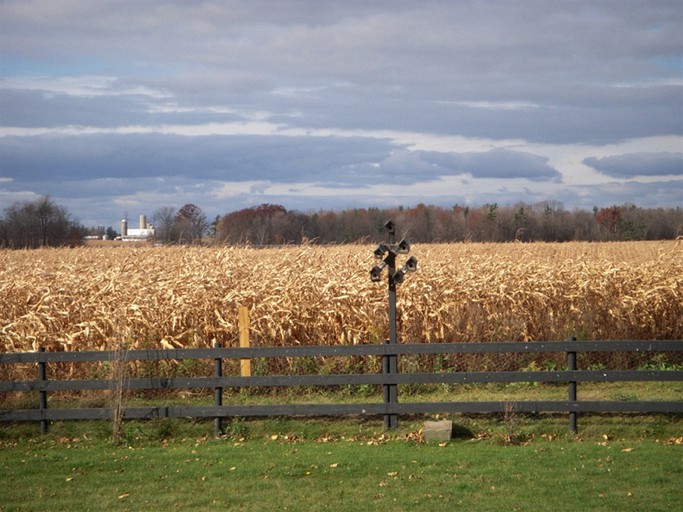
[(144, 233)]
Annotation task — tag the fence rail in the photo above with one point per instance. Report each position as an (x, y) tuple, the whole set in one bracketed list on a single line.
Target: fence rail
[(388, 379), (347, 350)]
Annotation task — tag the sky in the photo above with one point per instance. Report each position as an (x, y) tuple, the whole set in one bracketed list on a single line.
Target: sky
[(120, 108)]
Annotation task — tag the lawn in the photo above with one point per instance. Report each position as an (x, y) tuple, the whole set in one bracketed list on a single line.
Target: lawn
[(617, 463)]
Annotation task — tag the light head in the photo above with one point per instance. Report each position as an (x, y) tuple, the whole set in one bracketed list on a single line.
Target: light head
[(390, 227), (380, 251), (398, 276), (411, 264), (376, 272), (403, 247)]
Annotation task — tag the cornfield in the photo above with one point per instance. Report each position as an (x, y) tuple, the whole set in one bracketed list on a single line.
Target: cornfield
[(165, 297)]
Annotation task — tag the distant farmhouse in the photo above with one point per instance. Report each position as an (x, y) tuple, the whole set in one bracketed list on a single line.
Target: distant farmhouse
[(144, 233)]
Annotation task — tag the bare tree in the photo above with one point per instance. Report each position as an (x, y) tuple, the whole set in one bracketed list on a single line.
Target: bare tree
[(164, 224), (191, 224), (39, 223)]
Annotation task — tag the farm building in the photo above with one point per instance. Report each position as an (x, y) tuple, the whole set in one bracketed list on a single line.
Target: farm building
[(142, 234)]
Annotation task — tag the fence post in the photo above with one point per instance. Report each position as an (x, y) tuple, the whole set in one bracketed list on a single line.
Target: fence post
[(571, 366), (42, 376), (243, 322), (218, 392)]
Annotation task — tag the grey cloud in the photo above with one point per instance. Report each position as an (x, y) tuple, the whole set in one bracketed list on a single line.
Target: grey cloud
[(582, 72), (102, 193), (258, 189), (22, 108), (44, 109), (648, 195), (397, 57), (230, 158), (577, 118), (497, 163), (638, 164), (330, 161)]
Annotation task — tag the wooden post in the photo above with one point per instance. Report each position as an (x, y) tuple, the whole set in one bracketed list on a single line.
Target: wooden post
[(245, 364)]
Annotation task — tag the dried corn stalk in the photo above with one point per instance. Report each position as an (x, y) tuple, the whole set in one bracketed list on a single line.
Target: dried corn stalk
[(92, 298)]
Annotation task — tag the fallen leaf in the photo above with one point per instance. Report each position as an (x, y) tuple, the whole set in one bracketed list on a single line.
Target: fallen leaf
[(627, 450), (124, 496), (334, 465)]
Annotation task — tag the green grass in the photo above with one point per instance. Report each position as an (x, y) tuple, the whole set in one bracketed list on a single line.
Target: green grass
[(519, 391), (498, 462), (617, 463)]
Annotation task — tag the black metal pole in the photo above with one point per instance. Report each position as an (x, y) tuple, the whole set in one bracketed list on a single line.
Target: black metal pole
[(391, 420), (390, 361), (571, 366), (218, 392), (42, 376), (386, 394)]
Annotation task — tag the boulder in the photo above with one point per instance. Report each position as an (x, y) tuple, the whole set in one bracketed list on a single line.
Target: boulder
[(437, 430)]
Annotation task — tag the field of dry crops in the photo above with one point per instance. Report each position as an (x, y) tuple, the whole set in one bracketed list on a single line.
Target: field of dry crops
[(90, 298)]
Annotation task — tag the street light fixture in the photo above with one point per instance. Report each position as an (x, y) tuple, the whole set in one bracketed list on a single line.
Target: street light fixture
[(395, 276), (380, 251), (376, 272), (403, 247), (391, 227), (411, 264)]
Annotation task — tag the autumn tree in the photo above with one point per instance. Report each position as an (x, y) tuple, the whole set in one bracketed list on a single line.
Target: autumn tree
[(259, 225), (609, 218)]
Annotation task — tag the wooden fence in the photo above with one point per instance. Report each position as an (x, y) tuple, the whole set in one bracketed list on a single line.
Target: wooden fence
[(389, 380)]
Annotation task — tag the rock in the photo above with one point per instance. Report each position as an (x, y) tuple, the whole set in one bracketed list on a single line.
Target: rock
[(437, 430)]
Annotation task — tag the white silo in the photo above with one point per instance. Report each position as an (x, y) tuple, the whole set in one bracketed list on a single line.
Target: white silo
[(124, 227), (143, 222)]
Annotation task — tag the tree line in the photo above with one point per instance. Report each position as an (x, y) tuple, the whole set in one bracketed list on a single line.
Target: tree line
[(45, 223), (39, 223), (270, 224)]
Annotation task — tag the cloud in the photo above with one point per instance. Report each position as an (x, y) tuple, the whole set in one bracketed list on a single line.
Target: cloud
[(495, 105), (660, 194), (83, 86), (331, 161), (638, 164), (497, 163), (236, 157), (337, 103), (436, 67)]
